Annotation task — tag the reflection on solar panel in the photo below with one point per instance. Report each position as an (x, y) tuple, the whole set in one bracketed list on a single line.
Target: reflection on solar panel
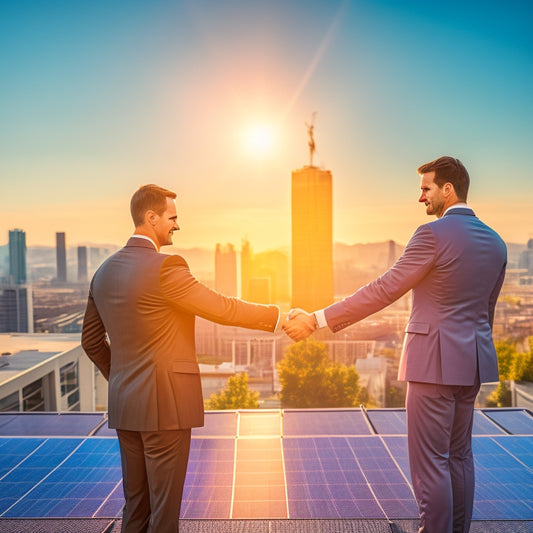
[(46, 424), (388, 421), (218, 424), (324, 422), (483, 425), (514, 421), (209, 480), (345, 477), (268, 464), (504, 486)]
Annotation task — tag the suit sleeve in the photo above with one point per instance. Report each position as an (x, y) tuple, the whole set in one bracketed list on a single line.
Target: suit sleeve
[(494, 296), (186, 293), (94, 339), (414, 264)]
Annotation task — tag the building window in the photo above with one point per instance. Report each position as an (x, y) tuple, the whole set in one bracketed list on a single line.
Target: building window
[(10, 403), (70, 387), (33, 397)]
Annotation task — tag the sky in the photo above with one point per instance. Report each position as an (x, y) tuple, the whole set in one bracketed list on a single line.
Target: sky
[(211, 99)]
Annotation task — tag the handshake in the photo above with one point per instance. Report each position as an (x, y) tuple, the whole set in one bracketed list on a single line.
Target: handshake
[(298, 324)]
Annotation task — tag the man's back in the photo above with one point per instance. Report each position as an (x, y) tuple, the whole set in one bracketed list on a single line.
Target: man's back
[(450, 329)]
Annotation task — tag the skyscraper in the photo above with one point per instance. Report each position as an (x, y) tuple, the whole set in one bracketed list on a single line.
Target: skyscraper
[(61, 257), (16, 308), (82, 264), (17, 256), (312, 238), (226, 269)]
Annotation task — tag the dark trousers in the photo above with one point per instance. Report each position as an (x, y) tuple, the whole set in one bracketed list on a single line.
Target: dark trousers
[(439, 434), (154, 464)]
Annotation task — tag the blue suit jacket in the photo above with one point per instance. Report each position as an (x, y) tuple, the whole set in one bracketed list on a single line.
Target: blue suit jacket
[(455, 266)]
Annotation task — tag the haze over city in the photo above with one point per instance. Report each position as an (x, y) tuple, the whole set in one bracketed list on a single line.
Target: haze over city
[(211, 99)]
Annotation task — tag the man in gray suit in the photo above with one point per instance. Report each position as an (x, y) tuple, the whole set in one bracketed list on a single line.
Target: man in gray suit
[(455, 267), (139, 331)]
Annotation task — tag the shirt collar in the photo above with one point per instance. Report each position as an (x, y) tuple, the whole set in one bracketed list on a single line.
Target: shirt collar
[(458, 205), (136, 236)]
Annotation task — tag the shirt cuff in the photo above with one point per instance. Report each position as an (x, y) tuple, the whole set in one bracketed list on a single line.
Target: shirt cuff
[(278, 325), (320, 318)]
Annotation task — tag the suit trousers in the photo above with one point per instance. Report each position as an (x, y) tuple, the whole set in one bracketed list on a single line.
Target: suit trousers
[(154, 464), (439, 434)]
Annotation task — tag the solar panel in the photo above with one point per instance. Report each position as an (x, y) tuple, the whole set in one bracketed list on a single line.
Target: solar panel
[(520, 447), (344, 477), (515, 421), (484, 425), (209, 481), (261, 474), (217, 424), (47, 424), (69, 477), (388, 421), (324, 422), (259, 423), (504, 488)]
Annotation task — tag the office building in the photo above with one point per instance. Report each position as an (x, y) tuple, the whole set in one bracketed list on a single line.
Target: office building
[(16, 308), (61, 257), (264, 276), (82, 264), (226, 269), (17, 256), (47, 372), (312, 238)]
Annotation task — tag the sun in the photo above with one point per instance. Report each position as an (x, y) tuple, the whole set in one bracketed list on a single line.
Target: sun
[(258, 139)]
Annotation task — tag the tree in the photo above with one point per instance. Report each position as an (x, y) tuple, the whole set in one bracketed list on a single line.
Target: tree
[(523, 364), (309, 378), (506, 352), (236, 395), (500, 397)]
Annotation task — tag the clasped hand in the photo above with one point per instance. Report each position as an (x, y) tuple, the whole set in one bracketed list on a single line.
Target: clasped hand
[(299, 324)]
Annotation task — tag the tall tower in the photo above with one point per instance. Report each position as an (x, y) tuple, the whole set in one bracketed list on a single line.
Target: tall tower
[(226, 269), (61, 257), (17, 256), (82, 264), (312, 235)]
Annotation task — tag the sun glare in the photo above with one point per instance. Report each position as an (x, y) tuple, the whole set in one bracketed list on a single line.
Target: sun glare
[(258, 139)]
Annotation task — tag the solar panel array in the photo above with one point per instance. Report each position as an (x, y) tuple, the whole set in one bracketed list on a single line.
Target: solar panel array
[(300, 464)]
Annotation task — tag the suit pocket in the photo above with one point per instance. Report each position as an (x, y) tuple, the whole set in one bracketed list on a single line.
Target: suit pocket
[(185, 367), (422, 328)]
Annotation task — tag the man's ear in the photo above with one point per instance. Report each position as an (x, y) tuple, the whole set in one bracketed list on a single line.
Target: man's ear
[(448, 189), (151, 217)]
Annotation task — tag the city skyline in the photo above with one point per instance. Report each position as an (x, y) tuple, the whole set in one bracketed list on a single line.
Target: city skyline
[(211, 99)]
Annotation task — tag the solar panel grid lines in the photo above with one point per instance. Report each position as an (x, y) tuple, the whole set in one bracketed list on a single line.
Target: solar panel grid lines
[(513, 421), (305, 476), (504, 486)]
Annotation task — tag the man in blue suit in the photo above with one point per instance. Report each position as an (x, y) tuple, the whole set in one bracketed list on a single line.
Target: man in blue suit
[(455, 267)]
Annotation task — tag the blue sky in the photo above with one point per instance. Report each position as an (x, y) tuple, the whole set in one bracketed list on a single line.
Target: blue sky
[(100, 97)]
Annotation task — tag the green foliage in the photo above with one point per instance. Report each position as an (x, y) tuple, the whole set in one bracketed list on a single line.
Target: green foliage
[(506, 352), (500, 397), (309, 378), (513, 365), (236, 395), (523, 364)]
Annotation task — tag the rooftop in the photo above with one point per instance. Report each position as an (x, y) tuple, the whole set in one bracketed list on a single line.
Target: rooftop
[(22, 351), (327, 470)]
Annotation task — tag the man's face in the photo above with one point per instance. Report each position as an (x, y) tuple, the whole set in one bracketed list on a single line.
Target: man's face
[(166, 224), (431, 195)]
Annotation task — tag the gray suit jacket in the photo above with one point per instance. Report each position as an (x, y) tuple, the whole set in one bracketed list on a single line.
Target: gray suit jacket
[(455, 266), (139, 331)]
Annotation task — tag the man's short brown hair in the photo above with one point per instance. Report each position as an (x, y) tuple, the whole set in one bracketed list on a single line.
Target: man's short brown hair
[(149, 198), (449, 170)]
